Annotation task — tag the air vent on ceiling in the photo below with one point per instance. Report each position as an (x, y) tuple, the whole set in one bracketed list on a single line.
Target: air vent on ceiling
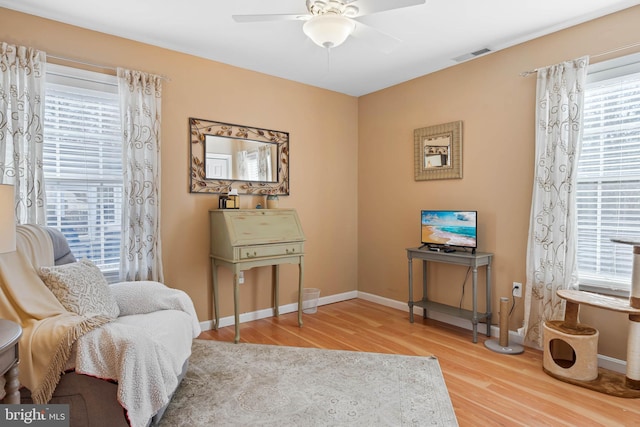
[(471, 55)]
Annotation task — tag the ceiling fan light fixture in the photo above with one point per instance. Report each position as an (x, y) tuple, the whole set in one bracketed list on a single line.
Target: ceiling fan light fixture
[(328, 30)]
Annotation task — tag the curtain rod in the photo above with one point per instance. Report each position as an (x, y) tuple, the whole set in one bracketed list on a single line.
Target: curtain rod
[(90, 64), (629, 46)]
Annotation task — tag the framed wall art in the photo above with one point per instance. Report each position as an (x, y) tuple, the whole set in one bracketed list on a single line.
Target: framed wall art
[(438, 151)]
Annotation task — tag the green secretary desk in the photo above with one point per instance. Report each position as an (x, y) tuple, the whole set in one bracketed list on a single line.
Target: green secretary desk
[(242, 239)]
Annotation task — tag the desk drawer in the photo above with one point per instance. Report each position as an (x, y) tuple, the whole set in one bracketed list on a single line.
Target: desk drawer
[(265, 251)]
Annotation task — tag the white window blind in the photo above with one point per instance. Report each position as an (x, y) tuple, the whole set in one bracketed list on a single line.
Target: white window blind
[(608, 190), (83, 163), (253, 169)]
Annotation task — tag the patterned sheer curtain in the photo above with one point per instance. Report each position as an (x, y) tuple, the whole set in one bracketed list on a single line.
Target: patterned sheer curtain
[(241, 164), (22, 84), (141, 250), (264, 162), (551, 253)]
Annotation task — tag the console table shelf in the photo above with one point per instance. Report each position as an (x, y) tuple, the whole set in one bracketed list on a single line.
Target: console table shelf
[(448, 309), (471, 260)]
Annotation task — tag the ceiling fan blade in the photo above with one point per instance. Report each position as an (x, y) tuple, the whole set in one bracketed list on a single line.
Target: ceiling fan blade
[(369, 7), (270, 18), (379, 40)]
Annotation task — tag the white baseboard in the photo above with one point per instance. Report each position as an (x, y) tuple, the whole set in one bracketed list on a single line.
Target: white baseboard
[(612, 364), (283, 309), (605, 362)]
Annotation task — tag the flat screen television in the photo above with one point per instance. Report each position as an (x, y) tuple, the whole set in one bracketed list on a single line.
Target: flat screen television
[(446, 229)]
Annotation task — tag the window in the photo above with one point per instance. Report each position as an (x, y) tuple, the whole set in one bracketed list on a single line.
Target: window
[(83, 163), (253, 169), (608, 189)]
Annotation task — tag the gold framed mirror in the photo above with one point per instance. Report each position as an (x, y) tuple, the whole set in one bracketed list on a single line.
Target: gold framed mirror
[(438, 151), (249, 159)]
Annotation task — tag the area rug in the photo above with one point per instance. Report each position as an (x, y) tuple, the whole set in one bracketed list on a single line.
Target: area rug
[(263, 385)]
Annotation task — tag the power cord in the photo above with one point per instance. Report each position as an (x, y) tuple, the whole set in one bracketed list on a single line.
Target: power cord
[(513, 301), (513, 304), (464, 284)]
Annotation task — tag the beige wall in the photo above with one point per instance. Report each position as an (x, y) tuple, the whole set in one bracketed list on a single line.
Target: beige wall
[(352, 161), (323, 170), (496, 106)]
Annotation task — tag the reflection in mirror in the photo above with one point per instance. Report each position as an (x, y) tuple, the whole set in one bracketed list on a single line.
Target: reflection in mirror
[(240, 159), (437, 152)]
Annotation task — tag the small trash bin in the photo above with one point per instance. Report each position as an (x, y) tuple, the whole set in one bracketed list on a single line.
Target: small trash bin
[(310, 300)]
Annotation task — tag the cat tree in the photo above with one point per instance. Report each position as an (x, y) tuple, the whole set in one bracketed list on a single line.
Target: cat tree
[(582, 368)]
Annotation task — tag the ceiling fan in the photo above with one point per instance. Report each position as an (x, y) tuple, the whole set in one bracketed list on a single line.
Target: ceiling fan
[(330, 22)]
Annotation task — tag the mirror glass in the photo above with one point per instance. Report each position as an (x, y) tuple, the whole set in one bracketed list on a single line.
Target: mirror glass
[(436, 152), (250, 160), (240, 159)]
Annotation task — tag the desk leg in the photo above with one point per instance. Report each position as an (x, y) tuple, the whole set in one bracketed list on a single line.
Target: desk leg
[(216, 312), (474, 319), (236, 299), (300, 287), (489, 313), (275, 271), (410, 289)]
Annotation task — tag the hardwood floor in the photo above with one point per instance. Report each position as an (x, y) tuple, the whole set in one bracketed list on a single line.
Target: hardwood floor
[(486, 388)]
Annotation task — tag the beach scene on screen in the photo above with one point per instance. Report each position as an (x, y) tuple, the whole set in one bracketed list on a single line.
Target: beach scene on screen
[(449, 228)]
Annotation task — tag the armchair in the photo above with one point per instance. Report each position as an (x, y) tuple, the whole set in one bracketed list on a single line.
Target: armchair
[(114, 353)]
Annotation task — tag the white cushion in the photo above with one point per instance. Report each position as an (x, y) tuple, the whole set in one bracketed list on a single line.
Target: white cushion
[(81, 288)]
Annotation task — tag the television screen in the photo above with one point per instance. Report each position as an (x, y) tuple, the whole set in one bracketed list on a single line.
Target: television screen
[(450, 228)]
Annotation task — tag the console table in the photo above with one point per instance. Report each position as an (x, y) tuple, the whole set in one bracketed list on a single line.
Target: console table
[(242, 239), (10, 333), (472, 260)]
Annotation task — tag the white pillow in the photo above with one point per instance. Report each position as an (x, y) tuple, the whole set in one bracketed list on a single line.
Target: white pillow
[(81, 288)]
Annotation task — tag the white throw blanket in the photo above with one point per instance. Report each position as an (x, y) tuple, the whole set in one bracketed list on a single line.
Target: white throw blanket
[(144, 349)]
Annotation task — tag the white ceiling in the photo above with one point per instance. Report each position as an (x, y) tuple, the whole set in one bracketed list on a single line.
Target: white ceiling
[(432, 34)]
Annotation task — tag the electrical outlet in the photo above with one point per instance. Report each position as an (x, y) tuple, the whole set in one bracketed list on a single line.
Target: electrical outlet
[(516, 291), (241, 277)]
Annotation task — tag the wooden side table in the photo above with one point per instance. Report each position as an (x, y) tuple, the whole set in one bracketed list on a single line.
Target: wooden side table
[(10, 333)]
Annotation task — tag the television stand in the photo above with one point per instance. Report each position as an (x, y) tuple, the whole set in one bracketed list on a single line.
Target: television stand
[(472, 260)]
